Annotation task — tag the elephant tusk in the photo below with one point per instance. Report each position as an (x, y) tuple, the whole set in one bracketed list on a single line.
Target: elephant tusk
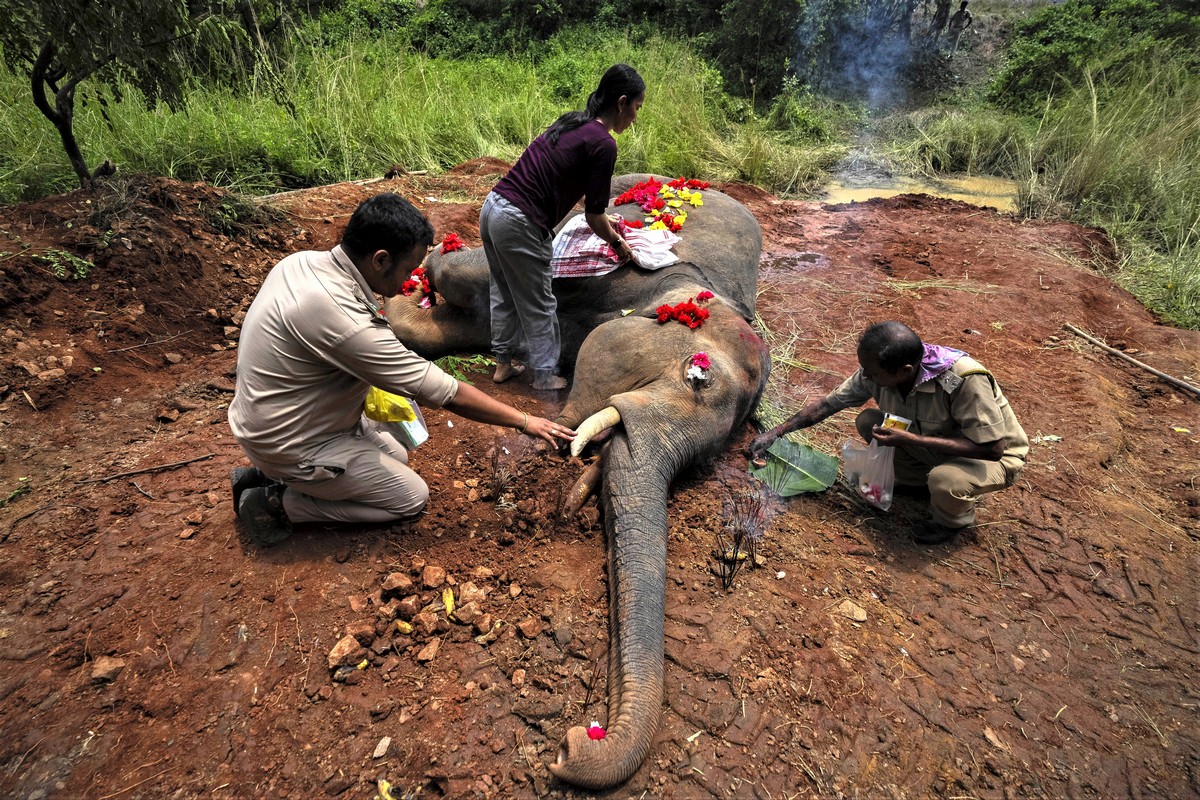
[(593, 426)]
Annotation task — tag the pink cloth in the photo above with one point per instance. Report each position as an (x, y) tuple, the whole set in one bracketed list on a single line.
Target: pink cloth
[(936, 360)]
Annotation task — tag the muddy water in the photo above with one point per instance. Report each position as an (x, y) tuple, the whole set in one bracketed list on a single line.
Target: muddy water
[(997, 193)]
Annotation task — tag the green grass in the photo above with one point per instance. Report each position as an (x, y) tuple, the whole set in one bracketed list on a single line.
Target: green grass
[(1118, 151), (367, 105)]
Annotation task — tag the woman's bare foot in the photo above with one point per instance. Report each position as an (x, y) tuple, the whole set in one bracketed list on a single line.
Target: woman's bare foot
[(550, 383), (506, 370)]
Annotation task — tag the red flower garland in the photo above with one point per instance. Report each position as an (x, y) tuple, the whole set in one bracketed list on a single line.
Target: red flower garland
[(686, 313), (417, 281), (452, 243)]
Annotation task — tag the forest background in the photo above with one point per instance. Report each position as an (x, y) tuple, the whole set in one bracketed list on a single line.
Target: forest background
[(1092, 108)]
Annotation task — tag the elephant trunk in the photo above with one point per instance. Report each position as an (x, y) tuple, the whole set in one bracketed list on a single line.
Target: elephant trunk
[(439, 331), (635, 499)]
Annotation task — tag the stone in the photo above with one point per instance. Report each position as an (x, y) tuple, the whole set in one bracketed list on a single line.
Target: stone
[(363, 632), (105, 669), (433, 576), (426, 622), (173, 358), (484, 623), (389, 610), (51, 374), (851, 610), (530, 628), (357, 602), (429, 651), (382, 748), (397, 583), (409, 606), (470, 593), (467, 613), (518, 678), (347, 652), (482, 573)]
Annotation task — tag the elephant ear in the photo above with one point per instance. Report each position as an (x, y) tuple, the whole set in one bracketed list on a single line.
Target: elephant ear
[(793, 469)]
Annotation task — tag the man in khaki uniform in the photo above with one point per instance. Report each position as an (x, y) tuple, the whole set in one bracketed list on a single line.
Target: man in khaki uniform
[(312, 344), (964, 440)]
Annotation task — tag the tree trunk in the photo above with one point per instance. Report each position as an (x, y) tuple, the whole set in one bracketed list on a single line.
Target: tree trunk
[(62, 115)]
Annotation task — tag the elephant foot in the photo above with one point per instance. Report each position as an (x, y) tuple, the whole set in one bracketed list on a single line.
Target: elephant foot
[(506, 370)]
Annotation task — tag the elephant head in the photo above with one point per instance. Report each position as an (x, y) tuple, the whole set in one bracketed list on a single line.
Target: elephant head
[(632, 387)]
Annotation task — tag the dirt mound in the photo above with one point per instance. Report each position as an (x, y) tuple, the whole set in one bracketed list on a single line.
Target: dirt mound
[(148, 651)]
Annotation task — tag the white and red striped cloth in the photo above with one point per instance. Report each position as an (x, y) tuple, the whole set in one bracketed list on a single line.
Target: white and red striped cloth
[(580, 253)]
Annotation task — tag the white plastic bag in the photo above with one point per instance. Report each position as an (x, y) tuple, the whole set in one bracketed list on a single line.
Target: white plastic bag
[(869, 470)]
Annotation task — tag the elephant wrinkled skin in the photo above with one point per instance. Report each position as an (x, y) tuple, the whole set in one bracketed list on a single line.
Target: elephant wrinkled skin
[(662, 422)]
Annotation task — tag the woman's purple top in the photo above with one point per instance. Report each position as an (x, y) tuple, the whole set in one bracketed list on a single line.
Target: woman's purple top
[(548, 180)]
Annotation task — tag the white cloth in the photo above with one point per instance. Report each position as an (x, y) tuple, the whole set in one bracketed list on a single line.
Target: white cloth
[(579, 253)]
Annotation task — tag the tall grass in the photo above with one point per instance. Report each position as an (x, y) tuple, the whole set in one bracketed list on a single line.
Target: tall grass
[(1119, 151), (366, 105)]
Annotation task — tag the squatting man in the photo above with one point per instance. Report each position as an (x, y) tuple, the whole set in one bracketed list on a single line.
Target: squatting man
[(964, 440), (313, 343)]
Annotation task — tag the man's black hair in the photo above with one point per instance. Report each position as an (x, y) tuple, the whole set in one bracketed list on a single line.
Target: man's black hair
[(894, 344), (386, 222)]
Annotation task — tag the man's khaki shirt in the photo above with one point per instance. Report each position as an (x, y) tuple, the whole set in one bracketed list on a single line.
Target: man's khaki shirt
[(964, 401), (312, 344)]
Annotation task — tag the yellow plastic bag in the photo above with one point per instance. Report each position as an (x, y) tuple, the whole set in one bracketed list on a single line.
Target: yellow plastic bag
[(384, 406), (401, 416)]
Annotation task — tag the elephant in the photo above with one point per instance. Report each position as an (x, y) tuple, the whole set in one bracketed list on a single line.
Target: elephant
[(632, 389)]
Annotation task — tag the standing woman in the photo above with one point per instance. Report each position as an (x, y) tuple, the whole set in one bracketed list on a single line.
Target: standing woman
[(573, 158)]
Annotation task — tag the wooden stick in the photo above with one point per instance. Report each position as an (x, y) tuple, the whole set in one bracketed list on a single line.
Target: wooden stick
[(147, 469), (1178, 384)]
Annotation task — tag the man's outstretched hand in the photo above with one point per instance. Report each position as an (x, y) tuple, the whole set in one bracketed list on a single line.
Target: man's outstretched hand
[(758, 448)]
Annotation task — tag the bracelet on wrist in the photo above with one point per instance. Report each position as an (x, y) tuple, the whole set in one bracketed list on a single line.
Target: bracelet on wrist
[(525, 422)]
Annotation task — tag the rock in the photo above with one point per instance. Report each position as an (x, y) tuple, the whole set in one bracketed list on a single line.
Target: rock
[(187, 533), (563, 635), (382, 748), (426, 622), (518, 678), (362, 631), (467, 613), (534, 709), (397, 583), (470, 593), (484, 623), (409, 606), (530, 628), (482, 573), (1017, 662), (167, 415), (418, 564), (514, 590), (429, 652), (51, 374), (346, 652), (851, 610), (473, 496), (173, 358), (357, 602), (389, 610), (433, 576), (105, 669)]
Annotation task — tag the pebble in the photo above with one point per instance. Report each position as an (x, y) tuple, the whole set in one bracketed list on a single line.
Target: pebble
[(346, 652), (851, 610), (397, 583), (105, 669), (429, 652), (382, 748), (433, 576), (530, 628), (518, 678)]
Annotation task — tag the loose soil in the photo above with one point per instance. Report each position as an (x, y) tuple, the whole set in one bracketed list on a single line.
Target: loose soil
[(148, 650)]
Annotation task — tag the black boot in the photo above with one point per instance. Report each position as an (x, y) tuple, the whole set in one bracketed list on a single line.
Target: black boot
[(261, 511), (243, 478)]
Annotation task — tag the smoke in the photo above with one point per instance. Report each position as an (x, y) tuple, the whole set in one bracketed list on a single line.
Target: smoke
[(859, 51)]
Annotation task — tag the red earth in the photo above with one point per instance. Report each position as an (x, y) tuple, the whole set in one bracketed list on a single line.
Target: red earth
[(148, 650)]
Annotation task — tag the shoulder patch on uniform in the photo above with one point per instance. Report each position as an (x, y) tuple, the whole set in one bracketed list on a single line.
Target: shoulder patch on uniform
[(952, 378)]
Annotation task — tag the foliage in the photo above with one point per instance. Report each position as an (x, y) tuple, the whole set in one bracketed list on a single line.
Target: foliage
[(63, 263), (793, 469), (23, 488), (459, 367), (139, 44), (1052, 50)]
